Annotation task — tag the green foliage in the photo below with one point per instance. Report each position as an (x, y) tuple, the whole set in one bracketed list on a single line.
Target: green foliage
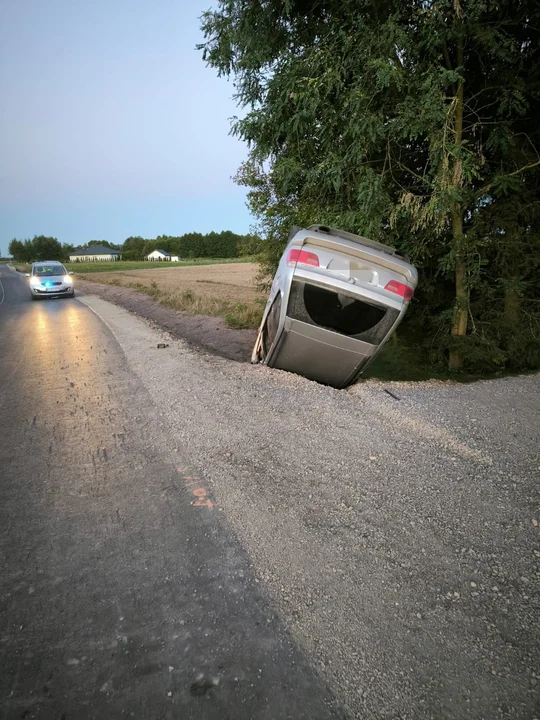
[(225, 244), (47, 248), (242, 316), (21, 251), (133, 248), (105, 243), (250, 245), (39, 248), (415, 123)]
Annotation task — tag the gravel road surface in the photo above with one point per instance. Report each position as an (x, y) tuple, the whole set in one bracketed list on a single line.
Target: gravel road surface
[(398, 538), (388, 548)]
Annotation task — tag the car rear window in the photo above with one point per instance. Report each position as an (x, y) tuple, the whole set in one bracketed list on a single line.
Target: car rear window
[(343, 313), (49, 270)]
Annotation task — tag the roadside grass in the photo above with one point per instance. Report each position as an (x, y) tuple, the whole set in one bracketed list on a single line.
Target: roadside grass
[(120, 265), (236, 315), (399, 360), (20, 267), (245, 316)]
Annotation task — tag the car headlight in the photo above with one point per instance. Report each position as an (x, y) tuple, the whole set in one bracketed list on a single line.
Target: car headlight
[(34, 280), (67, 279)]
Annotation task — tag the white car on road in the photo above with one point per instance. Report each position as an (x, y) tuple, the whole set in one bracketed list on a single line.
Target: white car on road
[(50, 279)]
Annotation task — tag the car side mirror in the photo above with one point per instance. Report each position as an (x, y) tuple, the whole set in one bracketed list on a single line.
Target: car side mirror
[(70, 272), (26, 274)]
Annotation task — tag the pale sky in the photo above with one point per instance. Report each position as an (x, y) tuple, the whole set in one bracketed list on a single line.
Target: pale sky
[(111, 125)]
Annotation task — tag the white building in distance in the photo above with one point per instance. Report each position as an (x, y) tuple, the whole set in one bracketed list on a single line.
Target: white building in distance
[(162, 256)]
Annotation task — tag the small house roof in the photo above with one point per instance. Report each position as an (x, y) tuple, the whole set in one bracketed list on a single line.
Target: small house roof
[(96, 250), (163, 252)]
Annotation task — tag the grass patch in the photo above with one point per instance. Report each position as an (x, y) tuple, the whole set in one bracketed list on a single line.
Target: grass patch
[(401, 360), (245, 316), (121, 265), (21, 267), (236, 315)]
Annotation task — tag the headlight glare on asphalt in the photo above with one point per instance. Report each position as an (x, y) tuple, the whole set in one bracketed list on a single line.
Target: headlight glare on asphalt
[(67, 279), (34, 280)]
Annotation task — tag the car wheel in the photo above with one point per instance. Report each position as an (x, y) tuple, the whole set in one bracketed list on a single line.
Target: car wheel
[(33, 297)]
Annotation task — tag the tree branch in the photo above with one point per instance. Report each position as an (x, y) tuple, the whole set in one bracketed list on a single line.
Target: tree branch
[(520, 170)]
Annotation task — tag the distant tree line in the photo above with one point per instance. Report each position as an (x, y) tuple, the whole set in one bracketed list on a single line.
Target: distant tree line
[(39, 248), (225, 244)]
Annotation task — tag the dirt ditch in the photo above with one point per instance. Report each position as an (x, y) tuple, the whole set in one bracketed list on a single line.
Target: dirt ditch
[(210, 334)]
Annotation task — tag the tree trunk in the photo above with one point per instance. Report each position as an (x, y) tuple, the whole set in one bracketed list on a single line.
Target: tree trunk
[(461, 310), (512, 308), (459, 327)]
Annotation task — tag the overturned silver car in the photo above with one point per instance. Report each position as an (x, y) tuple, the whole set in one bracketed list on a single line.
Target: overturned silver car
[(336, 298)]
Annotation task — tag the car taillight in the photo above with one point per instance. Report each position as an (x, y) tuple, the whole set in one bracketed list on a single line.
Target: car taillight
[(404, 291), (303, 257)]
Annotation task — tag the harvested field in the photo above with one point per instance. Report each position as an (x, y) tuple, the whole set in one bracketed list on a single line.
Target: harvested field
[(224, 290), (229, 283)]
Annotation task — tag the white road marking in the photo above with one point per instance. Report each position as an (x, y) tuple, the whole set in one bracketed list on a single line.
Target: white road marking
[(3, 292)]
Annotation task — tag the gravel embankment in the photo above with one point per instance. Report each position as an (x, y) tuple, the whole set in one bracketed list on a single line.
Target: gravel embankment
[(399, 538), (210, 333)]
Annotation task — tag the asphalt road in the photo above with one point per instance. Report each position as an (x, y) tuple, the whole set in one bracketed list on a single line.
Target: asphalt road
[(123, 592)]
